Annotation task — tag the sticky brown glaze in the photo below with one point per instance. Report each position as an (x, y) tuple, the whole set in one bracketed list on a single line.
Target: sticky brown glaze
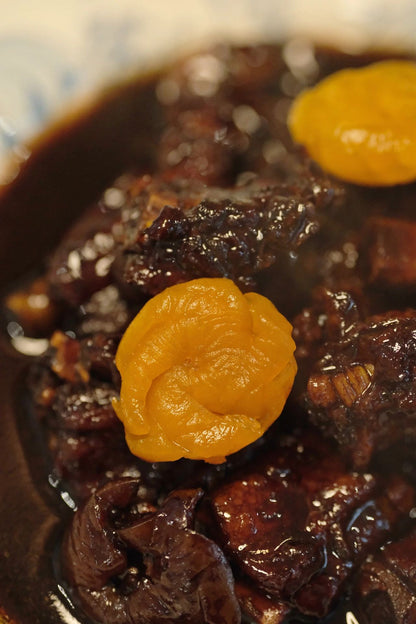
[(385, 587), (194, 153), (362, 390), (213, 232), (299, 522), (148, 569)]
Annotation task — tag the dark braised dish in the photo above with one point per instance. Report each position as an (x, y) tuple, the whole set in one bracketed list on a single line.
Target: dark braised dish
[(315, 520)]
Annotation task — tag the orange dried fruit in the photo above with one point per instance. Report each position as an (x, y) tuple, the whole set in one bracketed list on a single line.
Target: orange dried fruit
[(205, 371), (359, 124)]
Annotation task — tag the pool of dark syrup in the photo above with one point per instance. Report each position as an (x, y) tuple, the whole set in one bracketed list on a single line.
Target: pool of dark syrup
[(67, 170)]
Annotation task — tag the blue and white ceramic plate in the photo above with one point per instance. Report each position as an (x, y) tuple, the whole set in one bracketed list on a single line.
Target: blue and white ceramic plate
[(52, 54)]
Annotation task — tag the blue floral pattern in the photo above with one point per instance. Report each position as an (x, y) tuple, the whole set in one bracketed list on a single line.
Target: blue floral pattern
[(58, 52)]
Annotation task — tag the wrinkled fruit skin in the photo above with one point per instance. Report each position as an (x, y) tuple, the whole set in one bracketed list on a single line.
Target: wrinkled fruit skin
[(146, 566), (205, 371), (362, 138)]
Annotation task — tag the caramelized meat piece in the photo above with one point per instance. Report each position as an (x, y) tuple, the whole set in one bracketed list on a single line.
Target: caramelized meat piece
[(221, 71), (223, 139), (77, 360), (73, 386), (97, 354), (65, 361), (385, 590), (85, 409), (363, 390), (150, 569), (86, 439), (105, 312), (81, 264), (330, 318), (299, 522), (82, 462), (390, 252), (221, 117), (268, 536), (70, 361), (258, 607), (201, 145), (226, 233)]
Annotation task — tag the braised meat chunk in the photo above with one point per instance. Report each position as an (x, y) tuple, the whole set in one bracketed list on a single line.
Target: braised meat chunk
[(362, 391), (390, 252), (213, 232), (73, 385), (330, 318), (298, 523), (187, 149), (259, 608), (385, 590), (258, 521), (81, 264)]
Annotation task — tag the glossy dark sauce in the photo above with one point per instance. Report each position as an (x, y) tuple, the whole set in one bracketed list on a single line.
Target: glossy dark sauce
[(66, 173), (34, 212), (99, 143)]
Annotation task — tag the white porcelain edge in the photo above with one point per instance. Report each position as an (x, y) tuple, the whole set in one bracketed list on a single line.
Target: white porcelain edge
[(52, 53)]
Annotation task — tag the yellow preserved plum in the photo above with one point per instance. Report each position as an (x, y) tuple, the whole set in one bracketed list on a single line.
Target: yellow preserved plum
[(359, 124), (205, 371)]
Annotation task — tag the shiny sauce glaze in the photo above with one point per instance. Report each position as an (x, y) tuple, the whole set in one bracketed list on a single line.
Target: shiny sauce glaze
[(196, 153)]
